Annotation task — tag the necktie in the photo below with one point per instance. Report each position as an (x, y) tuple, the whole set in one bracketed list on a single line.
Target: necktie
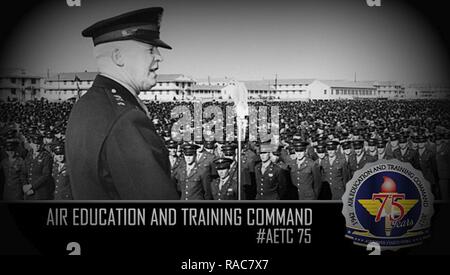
[(263, 169)]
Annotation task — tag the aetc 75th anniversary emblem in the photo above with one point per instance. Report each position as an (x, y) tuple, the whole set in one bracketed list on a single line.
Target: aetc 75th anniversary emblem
[(390, 203)]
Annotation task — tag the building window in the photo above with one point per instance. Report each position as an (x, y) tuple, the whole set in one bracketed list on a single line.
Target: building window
[(13, 80), (324, 92), (33, 81), (13, 91)]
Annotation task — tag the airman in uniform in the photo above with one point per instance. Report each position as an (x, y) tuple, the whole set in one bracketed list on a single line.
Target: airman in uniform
[(61, 175), (204, 158), (193, 181), (289, 191), (334, 171), (174, 159), (427, 163), (14, 172), (39, 183), (393, 144), (270, 184), (372, 152), (305, 173), (405, 154), (210, 146), (324, 192), (224, 187), (442, 161), (360, 159), (381, 150)]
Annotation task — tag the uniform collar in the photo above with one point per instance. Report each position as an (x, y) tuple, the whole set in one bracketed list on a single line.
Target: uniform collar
[(126, 86), (109, 83)]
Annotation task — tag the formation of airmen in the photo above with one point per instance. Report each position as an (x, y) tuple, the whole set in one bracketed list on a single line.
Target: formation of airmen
[(322, 145), (32, 151)]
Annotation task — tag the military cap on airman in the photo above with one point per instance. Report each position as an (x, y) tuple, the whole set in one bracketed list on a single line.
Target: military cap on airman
[(210, 144), (189, 149), (320, 148), (223, 163), (372, 142), (394, 136), (140, 25), (403, 139), (381, 143), (229, 149), (300, 146), (346, 145), (358, 144), (332, 145)]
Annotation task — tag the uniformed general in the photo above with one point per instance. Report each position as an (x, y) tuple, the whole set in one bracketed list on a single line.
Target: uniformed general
[(112, 148)]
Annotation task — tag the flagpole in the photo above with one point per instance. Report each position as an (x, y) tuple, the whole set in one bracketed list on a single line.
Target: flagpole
[(239, 126)]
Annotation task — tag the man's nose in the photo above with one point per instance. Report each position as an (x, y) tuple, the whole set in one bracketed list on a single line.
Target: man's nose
[(158, 56)]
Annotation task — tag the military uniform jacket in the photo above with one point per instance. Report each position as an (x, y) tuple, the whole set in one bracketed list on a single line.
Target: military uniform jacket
[(112, 149), (40, 176), (229, 190), (411, 156), (206, 160), (428, 166), (355, 165), (15, 176), (335, 174), (306, 178), (194, 186), (62, 184), (385, 157), (175, 165), (442, 161), (270, 185)]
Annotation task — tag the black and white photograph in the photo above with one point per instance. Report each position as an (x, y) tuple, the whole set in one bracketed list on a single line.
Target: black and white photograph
[(228, 121)]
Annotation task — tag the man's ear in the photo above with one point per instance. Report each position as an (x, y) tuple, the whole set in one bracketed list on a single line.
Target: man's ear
[(117, 57)]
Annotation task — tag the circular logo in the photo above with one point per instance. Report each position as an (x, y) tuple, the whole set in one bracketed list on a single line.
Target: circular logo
[(390, 203)]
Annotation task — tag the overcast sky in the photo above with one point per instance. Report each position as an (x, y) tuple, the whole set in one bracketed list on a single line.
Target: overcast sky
[(325, 39)]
